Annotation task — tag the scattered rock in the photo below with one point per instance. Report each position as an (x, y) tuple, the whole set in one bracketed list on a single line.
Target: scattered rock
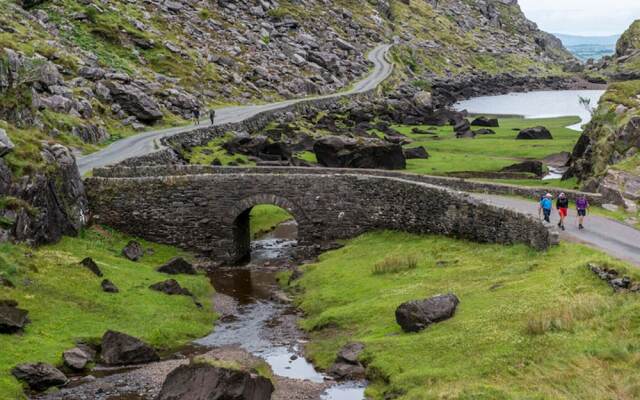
[(77, 358), (419, 131), (5, 282), (201, 381), (484, 131), (133, 251), (8, 303), (416, 315), (109, 287), (486, 122), (170, 287), (416, 153), (12, 319), (6, 146), (91, 266), (39, 376), (536, 133), (347, 365), (177, 266), (613, 278), (122, 349)]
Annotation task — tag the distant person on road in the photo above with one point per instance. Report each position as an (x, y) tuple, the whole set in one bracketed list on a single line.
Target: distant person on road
[(582, 205), (546, 204), (196, 116), (562, 204), (540, 205), (212, 115)]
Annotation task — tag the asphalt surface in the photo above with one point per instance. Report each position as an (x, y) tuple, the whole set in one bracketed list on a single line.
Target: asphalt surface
[(612, 237), (148, 142)]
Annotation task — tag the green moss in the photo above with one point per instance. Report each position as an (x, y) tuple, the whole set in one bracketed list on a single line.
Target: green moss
[(530, 325), (66, 303)]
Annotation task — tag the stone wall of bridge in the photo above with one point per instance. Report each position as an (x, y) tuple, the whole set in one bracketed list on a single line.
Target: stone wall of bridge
[(206, 210)]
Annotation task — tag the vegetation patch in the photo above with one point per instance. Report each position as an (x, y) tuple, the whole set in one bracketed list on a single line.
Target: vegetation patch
[(265, 217), (534, 325), (66, 303)]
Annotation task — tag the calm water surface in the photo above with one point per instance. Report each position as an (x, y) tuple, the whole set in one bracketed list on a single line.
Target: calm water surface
[(542, 104)]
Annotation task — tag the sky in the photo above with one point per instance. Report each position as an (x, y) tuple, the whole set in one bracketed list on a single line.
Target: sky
[(582, 17)]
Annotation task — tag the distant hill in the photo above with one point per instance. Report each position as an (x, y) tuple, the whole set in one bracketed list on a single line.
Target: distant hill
[(585, 47)]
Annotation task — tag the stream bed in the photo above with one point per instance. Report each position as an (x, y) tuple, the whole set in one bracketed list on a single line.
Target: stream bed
[(265, 324)]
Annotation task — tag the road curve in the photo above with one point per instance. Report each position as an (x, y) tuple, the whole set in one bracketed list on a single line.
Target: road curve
[(147, 142), (612, 237)]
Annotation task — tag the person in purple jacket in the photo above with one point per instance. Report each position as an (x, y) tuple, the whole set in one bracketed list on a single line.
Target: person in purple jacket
[(582, 205)]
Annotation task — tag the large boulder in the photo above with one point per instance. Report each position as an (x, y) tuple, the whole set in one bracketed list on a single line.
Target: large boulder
[(463, 130), (6, 145), (12, 319), (416, 315), (176, 266), (340, 152), (90, 133), (530, 166), (423, 101), (202, 381), (134, 101), (133, 251), (39, 376), (122, 349), (535, 133), (170, 287), (485, 122)]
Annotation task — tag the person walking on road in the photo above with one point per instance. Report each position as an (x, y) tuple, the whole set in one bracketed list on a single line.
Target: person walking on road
[(562, 204), (582, 205), (546, 204), (212, 115), (196, 116)]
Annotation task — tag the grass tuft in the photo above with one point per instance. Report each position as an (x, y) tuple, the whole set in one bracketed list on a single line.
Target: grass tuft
[(395, 264)]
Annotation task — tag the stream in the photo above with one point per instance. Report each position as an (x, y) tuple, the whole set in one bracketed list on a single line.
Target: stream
[(263, 324)]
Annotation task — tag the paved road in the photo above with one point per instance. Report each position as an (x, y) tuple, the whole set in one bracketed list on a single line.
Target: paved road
[(148, 142), (612, 237)]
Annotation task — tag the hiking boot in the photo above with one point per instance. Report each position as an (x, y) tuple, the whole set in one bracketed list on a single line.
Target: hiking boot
[(580, 227)]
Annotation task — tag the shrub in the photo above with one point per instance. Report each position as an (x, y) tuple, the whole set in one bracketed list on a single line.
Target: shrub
[(394, 264)]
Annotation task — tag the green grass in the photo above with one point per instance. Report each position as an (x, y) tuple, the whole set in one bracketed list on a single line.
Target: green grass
[(66, 303), (530, 325), (266, 217), (489, 152)]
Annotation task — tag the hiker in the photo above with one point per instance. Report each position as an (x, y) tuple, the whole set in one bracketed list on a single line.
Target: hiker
[(540, 205), (212, 115), (582, 204), (546, 204), (196, 115), (562, 204)]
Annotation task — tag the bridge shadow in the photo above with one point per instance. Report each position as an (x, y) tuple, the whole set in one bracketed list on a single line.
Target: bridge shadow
[(264, 233)]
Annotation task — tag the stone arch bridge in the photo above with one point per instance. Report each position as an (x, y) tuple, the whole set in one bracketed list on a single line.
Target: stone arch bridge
[(206, 209)]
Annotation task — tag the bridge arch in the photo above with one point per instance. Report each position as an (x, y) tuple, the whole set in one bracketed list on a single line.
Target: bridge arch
[(238, 218)]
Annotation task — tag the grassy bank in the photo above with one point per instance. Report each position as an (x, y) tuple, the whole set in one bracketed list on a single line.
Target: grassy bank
[(488, 153), (529, 326), (66, 303), (266, 217)]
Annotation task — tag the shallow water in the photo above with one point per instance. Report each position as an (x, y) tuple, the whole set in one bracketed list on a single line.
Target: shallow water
[(252, 287), (541, 104)]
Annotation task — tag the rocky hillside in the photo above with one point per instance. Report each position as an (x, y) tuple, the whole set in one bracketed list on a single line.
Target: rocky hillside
[(606, 157), (82, 73)]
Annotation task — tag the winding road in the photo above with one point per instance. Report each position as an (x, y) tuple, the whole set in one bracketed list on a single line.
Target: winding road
[(147, 142)]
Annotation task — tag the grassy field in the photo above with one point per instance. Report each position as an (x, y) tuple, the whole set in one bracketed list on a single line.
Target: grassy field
[(66, 303), (491, 152), (530, 325), (266, 217)]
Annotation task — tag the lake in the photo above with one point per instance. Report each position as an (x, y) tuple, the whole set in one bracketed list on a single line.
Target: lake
[(541, 104)]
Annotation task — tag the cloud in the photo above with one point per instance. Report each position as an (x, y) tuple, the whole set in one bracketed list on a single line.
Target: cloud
[(582, 17)]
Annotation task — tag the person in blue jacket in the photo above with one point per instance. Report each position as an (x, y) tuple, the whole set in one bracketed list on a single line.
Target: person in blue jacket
[(546, 204)]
